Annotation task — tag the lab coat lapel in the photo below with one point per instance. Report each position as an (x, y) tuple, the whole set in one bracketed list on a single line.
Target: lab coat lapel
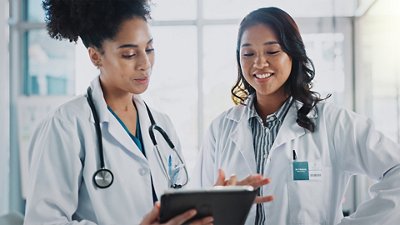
[(110, 125), (160, 181), (290, 129), (145, 123), (116, 130), (242, 138)]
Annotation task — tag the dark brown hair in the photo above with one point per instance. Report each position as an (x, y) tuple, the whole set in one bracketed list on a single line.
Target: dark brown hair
[(299, 83)]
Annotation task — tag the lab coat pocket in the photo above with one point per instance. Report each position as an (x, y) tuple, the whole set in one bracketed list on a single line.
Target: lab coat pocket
[(308, 192)]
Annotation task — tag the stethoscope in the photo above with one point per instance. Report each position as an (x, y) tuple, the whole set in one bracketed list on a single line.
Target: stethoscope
[(103, 177)]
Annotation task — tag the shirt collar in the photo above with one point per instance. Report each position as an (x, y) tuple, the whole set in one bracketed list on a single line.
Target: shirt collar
[(279, 114)]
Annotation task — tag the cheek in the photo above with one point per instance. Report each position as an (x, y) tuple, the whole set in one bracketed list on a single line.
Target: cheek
[(115, 64), (152, 59), (286, 65), (244, 66)]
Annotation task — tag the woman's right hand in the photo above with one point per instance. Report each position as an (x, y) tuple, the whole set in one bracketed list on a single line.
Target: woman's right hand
[(152, 218), (255, 180)]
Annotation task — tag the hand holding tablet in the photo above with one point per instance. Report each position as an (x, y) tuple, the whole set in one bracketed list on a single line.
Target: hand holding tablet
[(227, 204)]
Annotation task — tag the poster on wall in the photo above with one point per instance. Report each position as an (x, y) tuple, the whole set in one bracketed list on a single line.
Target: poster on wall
[(31, 110)]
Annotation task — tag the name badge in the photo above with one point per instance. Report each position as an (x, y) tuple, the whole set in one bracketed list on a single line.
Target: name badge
[(307, 171), (300, 171)]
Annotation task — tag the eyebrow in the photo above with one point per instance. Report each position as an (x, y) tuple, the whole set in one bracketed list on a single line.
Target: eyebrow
[(266, 43), (133, 45)]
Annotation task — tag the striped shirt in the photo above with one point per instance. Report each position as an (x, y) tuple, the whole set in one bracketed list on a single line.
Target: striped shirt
[(264, 134)]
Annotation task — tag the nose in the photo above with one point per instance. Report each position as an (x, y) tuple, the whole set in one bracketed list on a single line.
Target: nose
[(143, 62), (261, 62)]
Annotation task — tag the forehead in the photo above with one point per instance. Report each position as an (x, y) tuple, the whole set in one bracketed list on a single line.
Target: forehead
[(258, 33), (133, 31)]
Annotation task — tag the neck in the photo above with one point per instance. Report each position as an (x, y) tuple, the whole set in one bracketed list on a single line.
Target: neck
[(120, 101), (120, 104), (266, 105)]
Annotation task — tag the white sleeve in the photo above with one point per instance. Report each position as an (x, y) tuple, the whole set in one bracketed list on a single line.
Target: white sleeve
[(364, 150), (55, 174), (384, 206)]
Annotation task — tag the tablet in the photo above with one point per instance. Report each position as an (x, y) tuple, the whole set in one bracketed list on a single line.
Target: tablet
[(228, 205)]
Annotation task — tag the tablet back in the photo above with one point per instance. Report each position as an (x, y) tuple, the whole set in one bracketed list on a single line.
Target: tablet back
[(228, 206)]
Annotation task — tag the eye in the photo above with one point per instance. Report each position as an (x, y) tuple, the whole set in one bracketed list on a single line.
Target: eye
[(248, 54), (272, 52), (128, 56), (149, 50)]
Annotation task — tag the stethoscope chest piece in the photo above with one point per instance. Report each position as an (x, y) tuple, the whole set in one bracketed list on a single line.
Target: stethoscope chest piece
[(103, 178)]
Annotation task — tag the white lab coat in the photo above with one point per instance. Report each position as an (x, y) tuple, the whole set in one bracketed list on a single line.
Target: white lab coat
[(343, 144), (64, 156)]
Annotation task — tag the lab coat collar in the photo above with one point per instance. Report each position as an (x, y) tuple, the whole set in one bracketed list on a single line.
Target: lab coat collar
[(241, 135), (237, 115), (99, 101), (114, 128), (145, 124), (288, 131)]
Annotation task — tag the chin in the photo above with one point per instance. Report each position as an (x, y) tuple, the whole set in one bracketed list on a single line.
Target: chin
[(138, 91)]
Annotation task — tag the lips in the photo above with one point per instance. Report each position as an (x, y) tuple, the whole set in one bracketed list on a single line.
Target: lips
[(142, 80)]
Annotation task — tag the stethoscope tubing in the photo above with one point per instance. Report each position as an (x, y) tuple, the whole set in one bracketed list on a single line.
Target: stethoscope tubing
[(103, 177), (97, 126), (164, 134)]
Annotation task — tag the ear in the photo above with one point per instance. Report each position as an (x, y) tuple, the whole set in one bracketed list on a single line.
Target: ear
[(95, 56)]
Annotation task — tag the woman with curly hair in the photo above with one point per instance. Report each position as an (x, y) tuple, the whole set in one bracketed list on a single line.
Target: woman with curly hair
[(281, 129), (92, 161)]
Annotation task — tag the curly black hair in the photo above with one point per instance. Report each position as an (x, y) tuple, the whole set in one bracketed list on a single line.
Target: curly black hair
[(299, 83), (92, 20)]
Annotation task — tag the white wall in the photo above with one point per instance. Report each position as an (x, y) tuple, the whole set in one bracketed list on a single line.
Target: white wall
[(4, 112)]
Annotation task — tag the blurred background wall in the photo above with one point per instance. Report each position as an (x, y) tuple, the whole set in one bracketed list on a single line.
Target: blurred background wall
[(353, 44)]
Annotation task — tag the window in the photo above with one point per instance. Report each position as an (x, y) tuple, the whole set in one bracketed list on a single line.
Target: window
[(51, 67), (33, 11), (219, 69), (5, 110), (173, 86)]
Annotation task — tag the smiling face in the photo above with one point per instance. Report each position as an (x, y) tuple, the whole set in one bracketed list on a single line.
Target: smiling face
[(126, 61), (265, 66)]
